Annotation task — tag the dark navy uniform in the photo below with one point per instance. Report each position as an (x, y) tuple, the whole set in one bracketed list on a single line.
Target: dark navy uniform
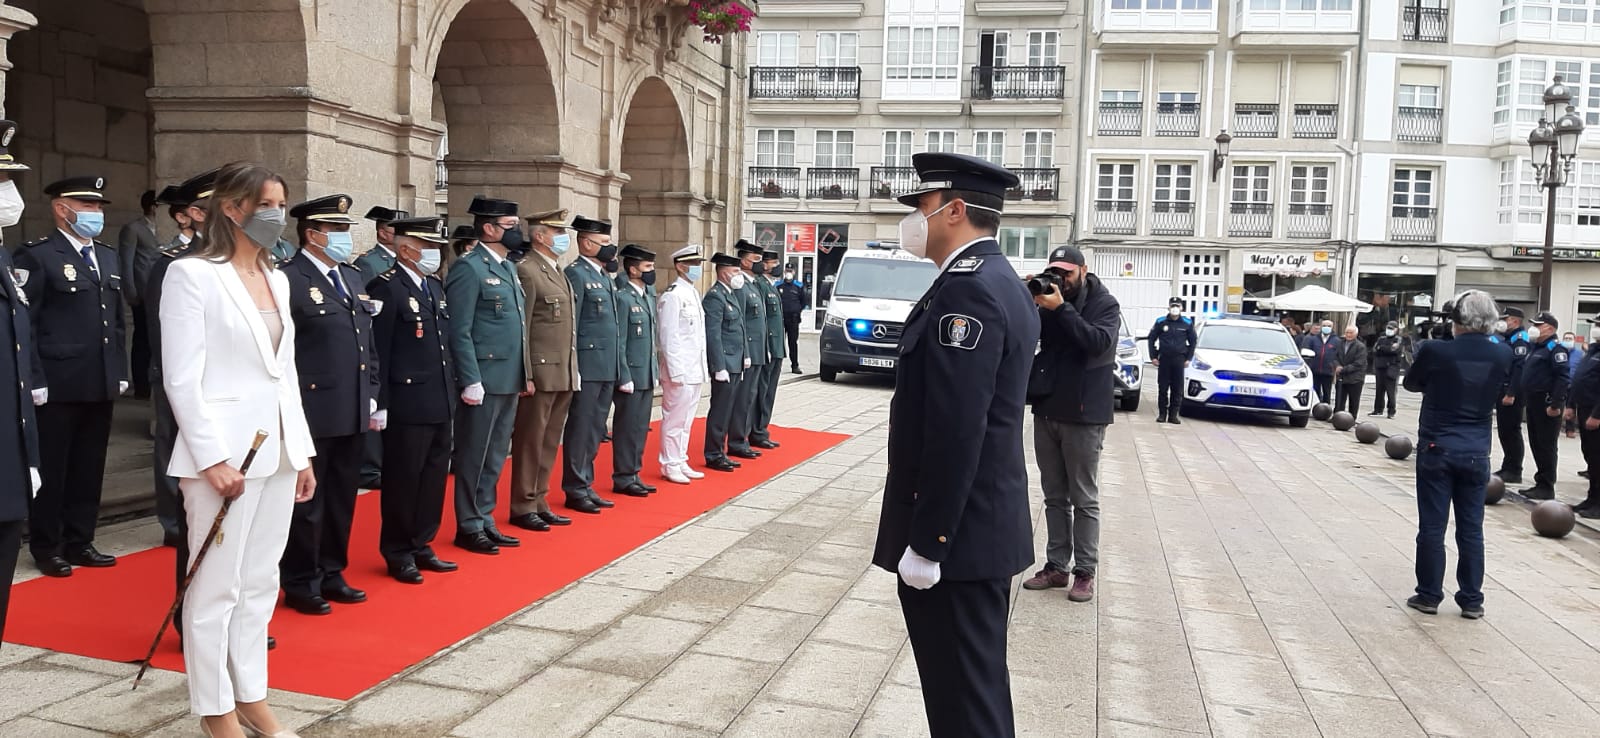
[(75, 294), (1172, 342), (1508, 418), (338, 368), (796, 298), (377, 260), (417, 392), (725, 352), (19, 441), (961, 499), (1546, 376)]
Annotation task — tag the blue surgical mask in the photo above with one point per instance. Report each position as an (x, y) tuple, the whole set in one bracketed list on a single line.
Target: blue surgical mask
[(1569, 344), (693, 273), (1326, 330), (89, 223), (560, 243), (340, 246), (429, 262)]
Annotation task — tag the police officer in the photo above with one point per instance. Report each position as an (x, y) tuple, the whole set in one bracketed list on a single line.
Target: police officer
[(681, 321), (955, 523), (380, 258), (1545, 378), (553, 358), (169, 506), (600, 364), (19, 440), (1386, 365), (795, 298), (724, 309), (1508, 415), (1171, 343), (337, 362), (75, 293), (486, 342), (756, 353), (416, 394), (636, 311), (767, 389)]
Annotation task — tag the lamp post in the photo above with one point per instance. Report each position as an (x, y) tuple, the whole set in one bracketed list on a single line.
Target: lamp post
[(1220, 156), (1554, 143)]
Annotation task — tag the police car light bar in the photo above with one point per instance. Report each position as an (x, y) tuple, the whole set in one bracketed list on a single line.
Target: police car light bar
[(887, 245)]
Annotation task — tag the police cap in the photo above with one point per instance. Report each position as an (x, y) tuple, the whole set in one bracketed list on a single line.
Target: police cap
[(552, 218), (381, 215), (770, 256), (78, 188), (635, 251), (8, 129), (591, 225), (464, 233), (725, 260), (745, 247), (1176, 302), (939, 170), (330, 209), (491, 207), (172, 195), (687, 254), (1512, 312), (1545, 318), (425, 229), (198, 187)]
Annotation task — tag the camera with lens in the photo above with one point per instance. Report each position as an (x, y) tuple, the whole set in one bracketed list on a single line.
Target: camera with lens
[(1045, 284)]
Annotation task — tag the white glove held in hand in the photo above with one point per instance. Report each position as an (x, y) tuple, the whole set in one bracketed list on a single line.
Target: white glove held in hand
[(722, 376), (378, 421), (372, 406), (41, 396), (33, 474), (122, 387), (627, 388), (747, 363), (917, 572), (473, 394)]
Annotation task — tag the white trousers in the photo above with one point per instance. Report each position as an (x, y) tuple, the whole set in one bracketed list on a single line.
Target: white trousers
[(678, 402), (230, 601)]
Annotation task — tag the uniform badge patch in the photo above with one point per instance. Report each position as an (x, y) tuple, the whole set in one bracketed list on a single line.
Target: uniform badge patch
[(969, 264), (70, 272), (960, 331), (1560, 358), (316, 295)]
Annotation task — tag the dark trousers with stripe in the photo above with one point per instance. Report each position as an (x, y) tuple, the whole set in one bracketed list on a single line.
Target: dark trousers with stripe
[(958, 635), (319, 534)]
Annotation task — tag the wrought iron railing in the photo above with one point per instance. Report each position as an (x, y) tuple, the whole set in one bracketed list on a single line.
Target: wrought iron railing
[(1309, 220), (1426, 24), (1250, 219), (1038, 183), (1255, 120), (1419, 125), (441, 175), (1121, 118), (888, 183), (833, 183), (1316, 120), (805, 83), (1172, 219), (1116, 217), (1414, 224), (1178, 119), (773, 182), (1019, 83)]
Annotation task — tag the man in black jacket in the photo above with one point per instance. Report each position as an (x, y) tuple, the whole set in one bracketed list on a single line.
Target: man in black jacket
[(1172, 341), (1386, 366), (1545, 378), (1584, 411), (1351, 372), (795, 299), (1071, 392)]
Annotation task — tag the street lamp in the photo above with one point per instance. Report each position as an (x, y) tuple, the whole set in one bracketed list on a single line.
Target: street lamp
[(1554, 144), (1220, 156)]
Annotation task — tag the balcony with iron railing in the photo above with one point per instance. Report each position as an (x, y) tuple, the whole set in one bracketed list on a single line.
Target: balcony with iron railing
[(1116, 217), (1255, 120), (891, 182), (1019, 83), (441, 175), (1250, 219), (1040, 184), (1172, 219), (1419, 125), (1316, 120), (1121, 118), (773, 182), (805, 83), (1414, 224), (833, 183), (1178, 119), (1426, 24), (1309, 220)]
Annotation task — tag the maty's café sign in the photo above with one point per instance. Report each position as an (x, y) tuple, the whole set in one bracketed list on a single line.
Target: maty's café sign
[(1286, 262)]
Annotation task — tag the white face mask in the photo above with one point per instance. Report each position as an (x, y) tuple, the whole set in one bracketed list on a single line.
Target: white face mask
[(1500, 326), (737, 281), (914, 232), (1174, 312), (1389, 332), (11, 204)]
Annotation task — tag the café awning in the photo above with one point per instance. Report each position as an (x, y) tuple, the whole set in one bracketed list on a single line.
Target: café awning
[(1315, 298)]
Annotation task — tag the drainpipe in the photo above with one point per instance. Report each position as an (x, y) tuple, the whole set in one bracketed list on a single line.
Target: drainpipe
[(1352, 277), (1084, 31)]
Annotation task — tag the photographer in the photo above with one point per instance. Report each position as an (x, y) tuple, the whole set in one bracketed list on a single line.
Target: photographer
[(1071, 392)]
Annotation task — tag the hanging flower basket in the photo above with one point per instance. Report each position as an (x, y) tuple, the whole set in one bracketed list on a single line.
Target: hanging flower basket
[(719, 18)]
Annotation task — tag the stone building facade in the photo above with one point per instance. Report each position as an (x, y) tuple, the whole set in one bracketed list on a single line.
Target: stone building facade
[(612, 108)]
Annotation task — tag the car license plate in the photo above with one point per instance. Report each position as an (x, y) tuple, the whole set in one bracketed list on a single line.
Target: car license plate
[(877, 363), (1240, 389)]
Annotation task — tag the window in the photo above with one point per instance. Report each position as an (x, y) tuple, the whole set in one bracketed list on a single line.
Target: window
[(1025, 243), (994, 49), (1119, 96), (775, 49), (897, 148), (1419, 96), (1042, 46), (1252, 183), (1588, 193), (1161, 4), (1531, 81), (1038, 149), (835, 149), (836, 49), (1502, 93), (941, 141), (1573, 11), (990, 145), (1174, 183), (1308, 185), (1413, 188), (1508, 189), (774, 147), (1114, 183), (922, 52), (1177, 102), (1536, 10)]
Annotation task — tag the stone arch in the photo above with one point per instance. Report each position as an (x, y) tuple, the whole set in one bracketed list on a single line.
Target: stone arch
[(657, 208)]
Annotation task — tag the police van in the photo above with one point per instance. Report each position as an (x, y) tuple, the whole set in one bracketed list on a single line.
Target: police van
[(874, 291)]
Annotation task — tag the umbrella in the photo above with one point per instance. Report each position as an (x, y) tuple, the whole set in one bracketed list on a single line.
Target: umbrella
[(1318, 299)]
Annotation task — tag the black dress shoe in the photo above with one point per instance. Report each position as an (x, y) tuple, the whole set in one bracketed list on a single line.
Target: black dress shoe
[(312, 605), (633, 490), (647, 487), (1173, 419), (343, 594), (794, 370), (477, 543), (1537, 492), (766, 444), (721, 465), (53, 566), (531, 521), (271, 643), (406, 574), (554, 519), (601, 501), (372, 483), (434, 563), (87, 556), (171, 539), (583, 505), (744, 453), (500, 539)]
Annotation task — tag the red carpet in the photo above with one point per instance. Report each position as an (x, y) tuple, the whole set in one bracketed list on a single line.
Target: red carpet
[(113, 613)]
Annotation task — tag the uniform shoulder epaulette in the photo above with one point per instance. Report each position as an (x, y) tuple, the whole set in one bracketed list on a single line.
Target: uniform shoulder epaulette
[(386, 276), (1188, 320), (35, 242), (670, 288), (966, 265)]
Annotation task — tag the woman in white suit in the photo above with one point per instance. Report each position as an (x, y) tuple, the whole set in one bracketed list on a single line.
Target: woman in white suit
[(229, 370)]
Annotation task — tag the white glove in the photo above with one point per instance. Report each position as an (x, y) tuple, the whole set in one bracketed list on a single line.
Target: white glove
[(372, 406), (626, 388), (747, 363), (378, 421), (33, 473), (473, 394), (722, 375), (41, 396), (122, 386), (917, 572)]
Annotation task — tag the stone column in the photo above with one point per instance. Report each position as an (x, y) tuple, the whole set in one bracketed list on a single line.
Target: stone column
[(11, 20)]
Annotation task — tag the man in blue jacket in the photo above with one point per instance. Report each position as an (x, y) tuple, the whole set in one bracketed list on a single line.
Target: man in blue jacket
[(1324, 359)]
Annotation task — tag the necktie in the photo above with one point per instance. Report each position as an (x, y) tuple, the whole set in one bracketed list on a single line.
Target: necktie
[(88, 258), (425, 291), (333, 276)]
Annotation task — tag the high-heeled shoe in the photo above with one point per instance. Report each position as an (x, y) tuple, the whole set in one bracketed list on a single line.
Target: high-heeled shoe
[(252, 730)]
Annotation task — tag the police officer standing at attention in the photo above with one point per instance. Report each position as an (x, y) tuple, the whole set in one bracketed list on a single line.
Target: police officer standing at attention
[(600, 363), (380, 258), (338, 366), (767, 388), (636, 308), (1508, 416), (1172, 343), (416, 394), (755, 365), (75, 295), (1545, 379), (1386, 365), (724, 309), (795, 299), (955, 524), (19, 441), (553, 358), (486, 341)]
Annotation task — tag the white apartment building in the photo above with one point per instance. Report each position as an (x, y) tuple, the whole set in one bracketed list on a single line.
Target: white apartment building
[(841, 94)]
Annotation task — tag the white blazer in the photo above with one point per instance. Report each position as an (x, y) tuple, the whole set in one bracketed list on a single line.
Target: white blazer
[(221, 375)]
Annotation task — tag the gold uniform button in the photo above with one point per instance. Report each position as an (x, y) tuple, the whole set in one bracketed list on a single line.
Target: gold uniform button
[(408, 381), (942, 539)]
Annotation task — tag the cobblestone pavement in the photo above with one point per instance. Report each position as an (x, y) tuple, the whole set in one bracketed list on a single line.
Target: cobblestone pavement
[(1252, 582)]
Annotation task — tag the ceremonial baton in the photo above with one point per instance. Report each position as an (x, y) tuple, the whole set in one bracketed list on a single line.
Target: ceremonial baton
[(212, 537)]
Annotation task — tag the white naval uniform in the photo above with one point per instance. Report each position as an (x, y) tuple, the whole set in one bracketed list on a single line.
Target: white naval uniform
[(681, 332)]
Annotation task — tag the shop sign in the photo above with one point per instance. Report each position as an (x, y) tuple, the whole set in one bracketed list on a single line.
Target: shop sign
[(1538, 252), (1286, 262), (802, 238)]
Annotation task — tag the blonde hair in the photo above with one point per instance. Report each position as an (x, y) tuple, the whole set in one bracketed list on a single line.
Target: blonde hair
[(239, 183)]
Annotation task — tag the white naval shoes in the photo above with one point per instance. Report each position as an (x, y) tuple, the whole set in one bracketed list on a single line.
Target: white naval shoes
[(675, 475), (691, 473)]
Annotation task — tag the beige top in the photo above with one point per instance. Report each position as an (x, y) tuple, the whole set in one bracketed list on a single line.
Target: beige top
[(274, 326)]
